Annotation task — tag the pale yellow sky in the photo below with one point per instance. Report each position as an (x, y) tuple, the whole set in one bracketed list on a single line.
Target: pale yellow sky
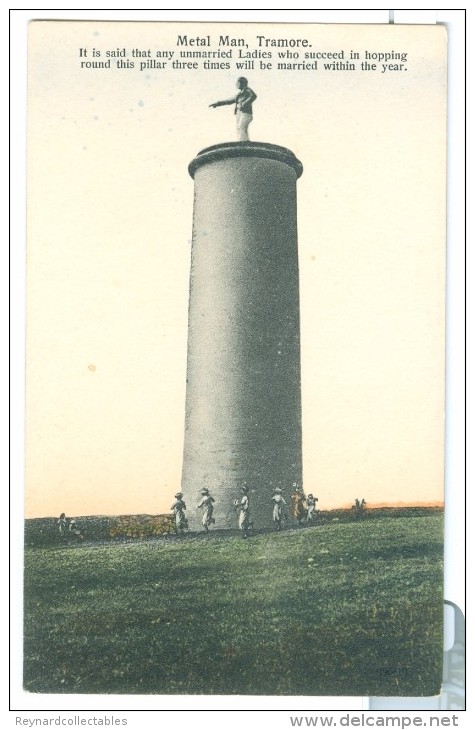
[(109, 230)]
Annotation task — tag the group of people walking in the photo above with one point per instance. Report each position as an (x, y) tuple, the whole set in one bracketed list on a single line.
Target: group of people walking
[(206, 504), (304, 509)]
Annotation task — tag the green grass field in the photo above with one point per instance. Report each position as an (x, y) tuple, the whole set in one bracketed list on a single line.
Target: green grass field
[(343, 608)]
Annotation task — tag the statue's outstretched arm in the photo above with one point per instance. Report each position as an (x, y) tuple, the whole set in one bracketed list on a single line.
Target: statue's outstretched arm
[(224, 102)]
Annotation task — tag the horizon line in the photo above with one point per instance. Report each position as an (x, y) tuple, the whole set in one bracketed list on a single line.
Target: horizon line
[(368, 506)]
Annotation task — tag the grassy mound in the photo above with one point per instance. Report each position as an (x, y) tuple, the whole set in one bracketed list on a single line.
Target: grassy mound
[(344, 608), (44, 530)]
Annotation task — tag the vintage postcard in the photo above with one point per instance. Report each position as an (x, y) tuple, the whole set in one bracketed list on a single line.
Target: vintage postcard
[(235, 359)]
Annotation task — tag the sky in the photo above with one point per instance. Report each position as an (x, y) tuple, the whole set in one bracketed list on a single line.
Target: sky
[(109, 215)]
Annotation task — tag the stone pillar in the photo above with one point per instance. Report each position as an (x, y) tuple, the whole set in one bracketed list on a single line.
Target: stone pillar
[(243, 402)]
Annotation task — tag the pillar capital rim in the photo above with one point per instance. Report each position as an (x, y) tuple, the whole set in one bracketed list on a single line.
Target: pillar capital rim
[(229, 150)]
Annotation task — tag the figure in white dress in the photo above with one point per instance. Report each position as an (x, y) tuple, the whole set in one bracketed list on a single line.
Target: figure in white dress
[(179, 507), (243, 505), (311, 508), (278, 510), (206, 503)]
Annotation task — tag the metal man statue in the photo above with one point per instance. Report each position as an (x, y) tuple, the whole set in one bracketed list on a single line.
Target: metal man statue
[(242, 109)]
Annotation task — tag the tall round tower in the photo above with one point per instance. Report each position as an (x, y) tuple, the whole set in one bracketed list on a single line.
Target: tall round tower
[(243, 402)]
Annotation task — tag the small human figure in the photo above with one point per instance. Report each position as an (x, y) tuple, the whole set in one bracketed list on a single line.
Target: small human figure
[(243, 505), (207, 504), (311, 508), (359, 507), (299, 511), (242, 109), (75, 530), (278, 510), (62, 524), (179, 507)]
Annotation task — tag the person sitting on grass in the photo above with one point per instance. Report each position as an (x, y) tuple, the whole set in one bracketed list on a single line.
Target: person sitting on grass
[(75, 530)]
